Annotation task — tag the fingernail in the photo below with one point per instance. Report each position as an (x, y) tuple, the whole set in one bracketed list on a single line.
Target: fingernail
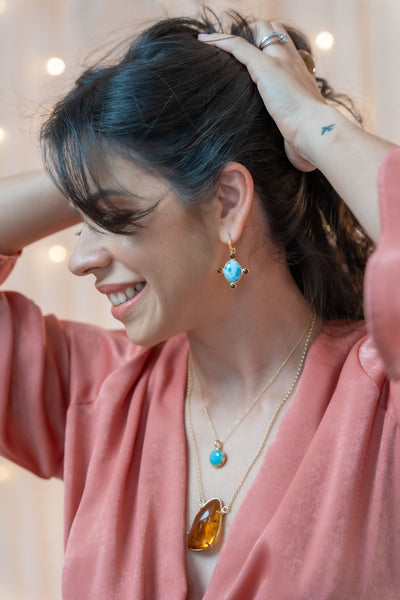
[(202, 36)]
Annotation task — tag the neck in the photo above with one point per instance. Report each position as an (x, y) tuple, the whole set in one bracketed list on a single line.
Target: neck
[(236, 353)]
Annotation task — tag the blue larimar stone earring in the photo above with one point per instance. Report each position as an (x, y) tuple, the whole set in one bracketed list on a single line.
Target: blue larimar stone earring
[(232, 270)]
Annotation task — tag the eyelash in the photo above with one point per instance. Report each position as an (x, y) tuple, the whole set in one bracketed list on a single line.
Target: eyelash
[(89, 226), (126, 229)]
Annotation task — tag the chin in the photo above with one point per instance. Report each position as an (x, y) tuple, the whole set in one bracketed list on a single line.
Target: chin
[(147, 339)]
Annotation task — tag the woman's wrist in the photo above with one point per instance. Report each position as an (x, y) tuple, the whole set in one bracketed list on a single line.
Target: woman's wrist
[(322, 130), (350, 158), (31, 208)]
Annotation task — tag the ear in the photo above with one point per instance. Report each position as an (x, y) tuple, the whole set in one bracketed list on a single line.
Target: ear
[(234, 199)]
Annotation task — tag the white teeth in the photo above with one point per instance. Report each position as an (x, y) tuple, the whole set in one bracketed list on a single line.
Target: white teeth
[(113, 299), (128, 294)]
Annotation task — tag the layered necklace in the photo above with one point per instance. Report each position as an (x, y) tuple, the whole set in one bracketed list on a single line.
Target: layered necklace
[(207, 524), (218, 457)]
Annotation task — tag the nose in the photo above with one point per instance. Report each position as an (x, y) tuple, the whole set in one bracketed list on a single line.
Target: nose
[(90, 253)]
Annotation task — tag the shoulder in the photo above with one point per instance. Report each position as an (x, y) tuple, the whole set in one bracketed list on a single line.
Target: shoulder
[(347, 350), (346, 362)]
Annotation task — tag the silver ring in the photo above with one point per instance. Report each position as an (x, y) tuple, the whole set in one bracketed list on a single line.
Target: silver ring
[(273, 38)]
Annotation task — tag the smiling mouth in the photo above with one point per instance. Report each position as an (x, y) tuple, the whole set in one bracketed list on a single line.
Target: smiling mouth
[(127, 294)]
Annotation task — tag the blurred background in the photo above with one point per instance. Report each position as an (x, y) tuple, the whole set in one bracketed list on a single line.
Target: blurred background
[(43, 45)]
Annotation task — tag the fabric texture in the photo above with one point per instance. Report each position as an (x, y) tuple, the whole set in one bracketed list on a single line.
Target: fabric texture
[(87, 405)]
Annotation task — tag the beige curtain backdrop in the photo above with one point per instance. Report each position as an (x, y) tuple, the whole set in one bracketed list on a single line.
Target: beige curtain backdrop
[(362, 62)]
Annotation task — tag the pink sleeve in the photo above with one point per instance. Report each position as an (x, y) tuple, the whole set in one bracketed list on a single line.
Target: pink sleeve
[(382, 280), (46, 364), (6, 265)]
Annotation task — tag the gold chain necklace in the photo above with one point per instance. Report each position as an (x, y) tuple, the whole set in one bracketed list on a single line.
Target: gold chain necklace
[(218, 456), (207, 524)]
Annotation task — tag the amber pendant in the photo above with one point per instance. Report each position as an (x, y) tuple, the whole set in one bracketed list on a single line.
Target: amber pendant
[(207, 526)]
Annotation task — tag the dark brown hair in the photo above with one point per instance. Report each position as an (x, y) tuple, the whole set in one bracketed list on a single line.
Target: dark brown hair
[(185, 109)]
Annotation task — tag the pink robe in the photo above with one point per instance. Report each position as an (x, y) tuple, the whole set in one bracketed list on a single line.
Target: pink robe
[(322, 518)]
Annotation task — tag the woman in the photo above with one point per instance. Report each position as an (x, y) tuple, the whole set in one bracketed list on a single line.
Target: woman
[(238, 278)]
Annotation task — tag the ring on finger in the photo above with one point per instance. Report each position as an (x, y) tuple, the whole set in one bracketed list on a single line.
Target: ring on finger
[(273, 38)]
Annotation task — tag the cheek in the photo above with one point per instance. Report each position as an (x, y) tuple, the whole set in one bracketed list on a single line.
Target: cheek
[(192, 263), (173, 255), (180, 278)]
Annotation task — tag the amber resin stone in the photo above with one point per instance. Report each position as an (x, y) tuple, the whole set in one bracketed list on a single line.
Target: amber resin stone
[(308, 59), (206, 527)]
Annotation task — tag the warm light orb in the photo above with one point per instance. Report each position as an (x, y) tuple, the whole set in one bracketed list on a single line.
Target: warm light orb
[(2, 134), (57, 254), (55, 66), (5, 473), (3, 6), (324, 40)]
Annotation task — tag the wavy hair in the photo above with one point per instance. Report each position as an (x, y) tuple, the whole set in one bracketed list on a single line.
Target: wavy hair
[(185, 109)]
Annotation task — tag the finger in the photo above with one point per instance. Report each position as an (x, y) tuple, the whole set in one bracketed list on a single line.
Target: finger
[(290, 47), (278, 48), (306, 58), (248, 54), (243, 51), (266, 36), (257, 62), (261, 30)]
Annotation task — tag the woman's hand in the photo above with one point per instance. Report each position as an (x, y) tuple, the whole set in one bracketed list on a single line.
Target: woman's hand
[(315, 133), (288, 89)]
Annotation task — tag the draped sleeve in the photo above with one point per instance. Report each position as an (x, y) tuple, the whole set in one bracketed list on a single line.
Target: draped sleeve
[(382, 281), (45, 364)]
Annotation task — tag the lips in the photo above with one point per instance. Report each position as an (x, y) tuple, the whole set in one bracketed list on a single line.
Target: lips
[(122, 297)]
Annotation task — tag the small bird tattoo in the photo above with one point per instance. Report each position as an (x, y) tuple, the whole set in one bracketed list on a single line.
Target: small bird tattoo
[(327, 128)]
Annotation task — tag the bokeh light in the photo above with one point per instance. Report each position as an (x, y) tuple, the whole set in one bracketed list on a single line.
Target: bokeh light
[(324, 40), (55, 66), (57, 254), (5, 472)]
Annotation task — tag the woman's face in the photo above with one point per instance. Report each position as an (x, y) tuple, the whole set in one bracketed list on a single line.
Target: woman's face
[(162, 279)]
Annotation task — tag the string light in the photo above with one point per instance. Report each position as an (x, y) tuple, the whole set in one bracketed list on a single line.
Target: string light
[(324, 40), (55, 66), (5, 473), (57, 254), (2, 134)]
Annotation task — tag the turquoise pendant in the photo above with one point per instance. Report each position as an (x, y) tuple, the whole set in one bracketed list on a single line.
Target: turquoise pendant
[(217, 456)]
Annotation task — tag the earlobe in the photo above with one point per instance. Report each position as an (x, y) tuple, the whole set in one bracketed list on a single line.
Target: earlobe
[(234, 196)]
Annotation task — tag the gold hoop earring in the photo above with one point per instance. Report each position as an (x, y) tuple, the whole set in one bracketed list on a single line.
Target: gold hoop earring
[(232, 270)]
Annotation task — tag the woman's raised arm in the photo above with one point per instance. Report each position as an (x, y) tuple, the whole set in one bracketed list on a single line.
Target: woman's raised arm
[(316, 134), (31, 208)]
